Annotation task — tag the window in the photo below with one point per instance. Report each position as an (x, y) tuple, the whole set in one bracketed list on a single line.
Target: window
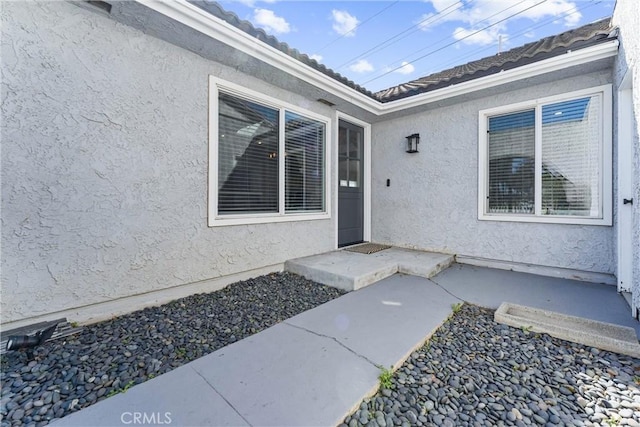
[(268, 161), (548, 160)]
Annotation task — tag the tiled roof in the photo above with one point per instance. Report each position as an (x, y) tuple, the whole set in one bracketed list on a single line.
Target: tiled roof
[(578, 38), (548, 47)]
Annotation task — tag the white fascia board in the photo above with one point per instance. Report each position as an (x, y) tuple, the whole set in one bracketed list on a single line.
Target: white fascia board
[(208, 24), (216, 28)]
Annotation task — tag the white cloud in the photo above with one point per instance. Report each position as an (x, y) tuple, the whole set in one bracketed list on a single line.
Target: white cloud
[(362, 66), (316, 57), (270, 21), (481, 13), (482, 38), (344, 23), (406, 68), (252, 3)]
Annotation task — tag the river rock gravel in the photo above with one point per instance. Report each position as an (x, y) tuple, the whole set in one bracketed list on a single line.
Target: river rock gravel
[(109, 357), (476, 372)]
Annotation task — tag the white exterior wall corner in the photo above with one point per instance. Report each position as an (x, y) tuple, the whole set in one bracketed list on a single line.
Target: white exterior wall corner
[(433, 199), (104, 166), (627, 17)]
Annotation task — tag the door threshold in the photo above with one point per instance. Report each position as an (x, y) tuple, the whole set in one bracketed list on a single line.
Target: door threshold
[(350, 245)]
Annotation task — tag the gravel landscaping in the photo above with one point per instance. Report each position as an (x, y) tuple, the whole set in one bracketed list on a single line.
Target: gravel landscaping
[(475, 372), (109, 357)]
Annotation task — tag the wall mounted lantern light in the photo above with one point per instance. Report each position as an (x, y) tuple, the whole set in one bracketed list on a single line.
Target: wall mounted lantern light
[(412, 143)]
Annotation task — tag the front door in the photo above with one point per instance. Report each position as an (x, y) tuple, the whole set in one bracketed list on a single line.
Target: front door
[(350, 183)]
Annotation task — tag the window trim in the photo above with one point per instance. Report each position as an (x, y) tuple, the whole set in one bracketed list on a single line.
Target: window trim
[(606, 154), (217, 85)]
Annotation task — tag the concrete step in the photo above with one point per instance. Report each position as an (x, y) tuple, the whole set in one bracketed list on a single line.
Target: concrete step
[(605, 336), (351, 271)]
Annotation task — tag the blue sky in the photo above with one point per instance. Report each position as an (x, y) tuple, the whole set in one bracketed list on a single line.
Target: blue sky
[(380, 44)]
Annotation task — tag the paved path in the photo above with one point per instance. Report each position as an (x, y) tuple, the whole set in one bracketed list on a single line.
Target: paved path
[(490, 287), (315, 368), (310, 370)]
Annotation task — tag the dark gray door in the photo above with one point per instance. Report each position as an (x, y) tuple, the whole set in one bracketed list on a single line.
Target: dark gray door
[(350, 191)]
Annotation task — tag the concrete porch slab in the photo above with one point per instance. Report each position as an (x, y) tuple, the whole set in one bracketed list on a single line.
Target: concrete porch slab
[(606, 336), (490, 287), (351, 271)]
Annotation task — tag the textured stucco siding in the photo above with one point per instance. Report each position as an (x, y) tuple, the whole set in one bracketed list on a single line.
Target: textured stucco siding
[(627, 18), (432, 202), (104, 166)]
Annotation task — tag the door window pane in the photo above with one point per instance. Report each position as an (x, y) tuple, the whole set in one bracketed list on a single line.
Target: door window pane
[(343, 172), (354, 144), (342, 136), (354, 173)]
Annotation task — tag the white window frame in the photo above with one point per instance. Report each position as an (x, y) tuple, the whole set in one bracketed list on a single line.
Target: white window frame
[(214, 218), (606, 166)]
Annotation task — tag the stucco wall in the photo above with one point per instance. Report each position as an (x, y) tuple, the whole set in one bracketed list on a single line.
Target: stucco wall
[(432, 202), (104, 166), (627, 18)]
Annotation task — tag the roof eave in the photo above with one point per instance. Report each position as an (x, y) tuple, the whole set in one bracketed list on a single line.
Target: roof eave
[(569, 59), (188, 14), (214, 27)]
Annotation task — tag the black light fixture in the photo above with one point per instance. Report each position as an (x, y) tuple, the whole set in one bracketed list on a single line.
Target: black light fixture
[(412, 143), (30, 342)]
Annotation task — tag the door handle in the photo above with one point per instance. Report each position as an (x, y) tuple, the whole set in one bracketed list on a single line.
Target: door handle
[(627, 201)]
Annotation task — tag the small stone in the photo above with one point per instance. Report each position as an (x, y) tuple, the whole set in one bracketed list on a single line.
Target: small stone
[(413, 418), (626, 413), (429, 405)]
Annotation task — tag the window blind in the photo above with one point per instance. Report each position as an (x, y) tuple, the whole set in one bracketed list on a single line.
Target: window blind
[(304, 164), (247, 156), (511, 141), (570, 150)]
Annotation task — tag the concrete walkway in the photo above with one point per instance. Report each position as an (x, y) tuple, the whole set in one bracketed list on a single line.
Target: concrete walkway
[(315, 368), (310, 370)]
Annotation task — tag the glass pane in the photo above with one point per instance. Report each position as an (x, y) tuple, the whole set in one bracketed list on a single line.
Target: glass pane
[(354, 173), (355, 138), (570, 160), (343, 172), (304, 164), (247, 156), (511, 140), (342, 141)]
